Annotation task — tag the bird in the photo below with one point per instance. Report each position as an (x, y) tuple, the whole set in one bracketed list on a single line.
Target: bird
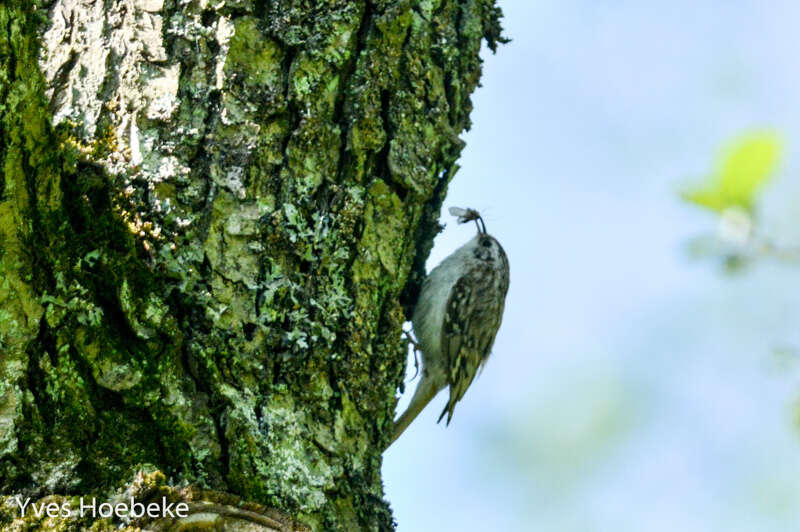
[(456, 319)]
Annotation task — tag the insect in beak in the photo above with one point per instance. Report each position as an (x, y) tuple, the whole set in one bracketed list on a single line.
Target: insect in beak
[(468, 215)]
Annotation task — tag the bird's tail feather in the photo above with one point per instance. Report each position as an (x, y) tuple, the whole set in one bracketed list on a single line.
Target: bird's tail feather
[(422, 396)]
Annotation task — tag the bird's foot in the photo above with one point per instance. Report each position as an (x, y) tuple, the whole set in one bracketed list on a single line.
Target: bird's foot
[(411, 340)]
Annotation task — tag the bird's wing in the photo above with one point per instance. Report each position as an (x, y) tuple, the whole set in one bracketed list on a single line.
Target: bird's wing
[(471, 320)]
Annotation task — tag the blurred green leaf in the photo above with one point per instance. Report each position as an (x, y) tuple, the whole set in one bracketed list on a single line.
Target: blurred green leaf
[(745, 165)]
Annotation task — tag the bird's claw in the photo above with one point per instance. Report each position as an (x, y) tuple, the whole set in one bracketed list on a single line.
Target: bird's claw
[(410, 339)]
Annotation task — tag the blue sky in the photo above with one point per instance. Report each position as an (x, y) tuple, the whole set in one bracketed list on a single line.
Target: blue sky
[(631, 388)]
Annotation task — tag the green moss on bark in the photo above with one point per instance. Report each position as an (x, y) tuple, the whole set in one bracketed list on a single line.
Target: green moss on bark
[(205, 266)]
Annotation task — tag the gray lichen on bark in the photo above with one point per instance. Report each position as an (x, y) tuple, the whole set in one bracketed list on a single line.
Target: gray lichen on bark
[(214, 217)]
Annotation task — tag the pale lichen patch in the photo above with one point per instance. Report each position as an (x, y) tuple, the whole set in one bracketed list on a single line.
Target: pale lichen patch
[(304, 472)]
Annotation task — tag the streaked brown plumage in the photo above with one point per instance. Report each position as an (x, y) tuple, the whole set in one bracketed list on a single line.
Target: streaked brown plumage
[(456, 319)]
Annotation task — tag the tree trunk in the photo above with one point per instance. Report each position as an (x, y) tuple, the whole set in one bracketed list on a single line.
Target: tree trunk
[(214, 219)]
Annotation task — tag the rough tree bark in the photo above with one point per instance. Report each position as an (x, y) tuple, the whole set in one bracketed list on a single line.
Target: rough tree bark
[(214, 217)]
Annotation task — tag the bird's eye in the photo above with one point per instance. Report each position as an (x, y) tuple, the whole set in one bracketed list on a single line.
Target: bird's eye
[(486, 243)]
